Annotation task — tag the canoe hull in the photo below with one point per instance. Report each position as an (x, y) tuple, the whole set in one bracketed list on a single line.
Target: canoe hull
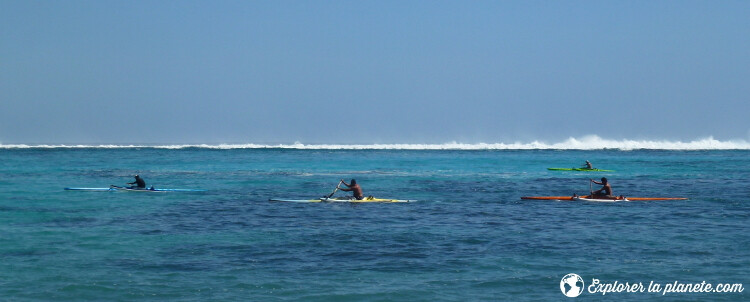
[(586, 197), (579, 169), (116, 188), (339, 199)]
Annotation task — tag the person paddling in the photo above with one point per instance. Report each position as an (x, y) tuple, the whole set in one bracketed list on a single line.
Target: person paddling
[(139, 183), (354, 188), (605, 191), (588, 166)]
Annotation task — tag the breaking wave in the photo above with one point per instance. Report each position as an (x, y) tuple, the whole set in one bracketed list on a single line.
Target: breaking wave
[(591, 142)]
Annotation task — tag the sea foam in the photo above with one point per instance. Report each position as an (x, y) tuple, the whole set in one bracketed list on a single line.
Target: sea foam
[(590, 142)]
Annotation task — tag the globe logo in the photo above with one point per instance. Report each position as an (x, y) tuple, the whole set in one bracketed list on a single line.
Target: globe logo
[(571, 285)]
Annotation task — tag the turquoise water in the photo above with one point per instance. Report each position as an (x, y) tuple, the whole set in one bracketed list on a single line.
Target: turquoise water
[(468, 237)]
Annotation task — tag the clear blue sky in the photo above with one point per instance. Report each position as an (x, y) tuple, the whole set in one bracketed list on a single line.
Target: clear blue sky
[(372, 71)]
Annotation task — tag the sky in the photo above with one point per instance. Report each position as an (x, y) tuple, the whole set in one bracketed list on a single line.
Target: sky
[(372, 71)]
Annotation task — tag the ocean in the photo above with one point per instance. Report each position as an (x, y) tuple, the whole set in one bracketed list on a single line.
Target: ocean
[(468, 236)]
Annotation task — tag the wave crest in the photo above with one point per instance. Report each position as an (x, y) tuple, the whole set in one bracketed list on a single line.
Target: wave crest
[(591, 142)]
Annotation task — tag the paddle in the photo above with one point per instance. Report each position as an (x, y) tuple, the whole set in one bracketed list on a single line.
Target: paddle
[(591, 189), (334, 190)]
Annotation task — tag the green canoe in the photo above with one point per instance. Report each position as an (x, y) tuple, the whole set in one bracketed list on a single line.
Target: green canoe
[(580, 169)]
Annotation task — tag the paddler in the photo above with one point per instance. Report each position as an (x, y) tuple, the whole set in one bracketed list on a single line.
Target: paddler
[(139, 183), (605, 191), (588, 165), (354, 188)]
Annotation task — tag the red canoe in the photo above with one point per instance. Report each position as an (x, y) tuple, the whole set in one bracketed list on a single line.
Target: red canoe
[(589, 197)]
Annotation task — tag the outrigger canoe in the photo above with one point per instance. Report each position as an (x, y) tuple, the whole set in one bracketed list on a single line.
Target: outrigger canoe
[(600, 199), (579, 169), (343, 199), (118, 188)]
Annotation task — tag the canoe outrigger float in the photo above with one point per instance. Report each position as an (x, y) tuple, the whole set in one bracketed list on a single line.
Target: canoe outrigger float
[(343, 199), (599, 199), (579, 169), (118, 188)]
